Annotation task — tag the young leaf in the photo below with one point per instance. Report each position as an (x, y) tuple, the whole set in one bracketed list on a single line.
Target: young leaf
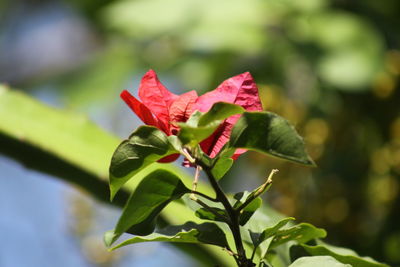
[(190, 232), (258, 238), (153, 193), (271, 134), (343, 255), (320, 261), (145, 146), (301, 233), (202, 125), (251, 207)]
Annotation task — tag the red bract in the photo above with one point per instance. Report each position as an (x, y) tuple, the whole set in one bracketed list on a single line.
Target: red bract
[(163, 109)]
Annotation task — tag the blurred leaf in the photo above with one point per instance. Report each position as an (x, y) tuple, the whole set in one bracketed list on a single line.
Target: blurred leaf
[(271, 134), (318, 261), (200, 126), (66, 145), (97, 80), (343, 255), (193, 22), (152, 194), (145, 146), (301, 233), (249, 209), (206, 233)]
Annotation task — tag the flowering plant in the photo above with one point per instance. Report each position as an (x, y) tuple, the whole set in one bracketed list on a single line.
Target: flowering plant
[(210, 131)]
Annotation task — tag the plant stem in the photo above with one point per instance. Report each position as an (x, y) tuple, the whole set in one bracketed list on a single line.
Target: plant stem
[(232, 214)]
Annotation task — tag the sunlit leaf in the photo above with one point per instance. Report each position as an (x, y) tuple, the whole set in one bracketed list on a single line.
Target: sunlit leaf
[(271, 134), (301, 233), (153, 193), (145, 146), (206, 233), (343, 255), (318, 261), (201, 126)]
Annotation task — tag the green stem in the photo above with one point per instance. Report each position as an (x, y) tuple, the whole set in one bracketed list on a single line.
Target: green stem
[(232, 214)]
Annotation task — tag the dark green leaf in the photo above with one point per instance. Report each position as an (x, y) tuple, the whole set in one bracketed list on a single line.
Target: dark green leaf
[(145, 146), (200, 126), (269, 133), (318, 261), (153, 193), (301, 233), (208, 215), (343, 255), (206, 233)]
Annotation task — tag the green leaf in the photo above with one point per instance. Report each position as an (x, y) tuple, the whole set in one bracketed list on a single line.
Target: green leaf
[(221, 167), (271, 134), (343, 255), (318, 261), (190, 232), (68, 146), (258, 238), (249, 209), (301, 233), (200, 126), (153, 193), (145, 146), (204, 214)]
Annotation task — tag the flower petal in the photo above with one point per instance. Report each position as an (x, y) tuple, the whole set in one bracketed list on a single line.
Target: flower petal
[(181, 109), (169, 158), (139, 108), (240, 90), (156, 97)]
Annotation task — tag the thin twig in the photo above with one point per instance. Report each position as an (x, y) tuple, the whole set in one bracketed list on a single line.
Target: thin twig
[(204, 195), (259, 191)]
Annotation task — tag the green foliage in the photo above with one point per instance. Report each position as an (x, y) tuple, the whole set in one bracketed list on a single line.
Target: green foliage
[(153, 193), (343, 255), (206, 233), (218, 214), (145, 146), (271, 134), (318, 261), (200, 126), (251, 205), (258, 238), (300, 233)]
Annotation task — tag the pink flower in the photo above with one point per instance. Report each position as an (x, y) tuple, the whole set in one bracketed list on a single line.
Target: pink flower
[(163, 109)]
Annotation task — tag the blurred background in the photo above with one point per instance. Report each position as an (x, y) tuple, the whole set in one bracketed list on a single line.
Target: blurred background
[(329, 66)]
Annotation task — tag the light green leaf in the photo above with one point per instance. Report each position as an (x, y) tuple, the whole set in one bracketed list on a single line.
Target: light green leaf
[(145, 146), (221, 167), (343, 255), (271, 134), (153, 193), (301, 233), (259, 238), (206, 233), (318, 261), (201, 126), (68, 146)]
